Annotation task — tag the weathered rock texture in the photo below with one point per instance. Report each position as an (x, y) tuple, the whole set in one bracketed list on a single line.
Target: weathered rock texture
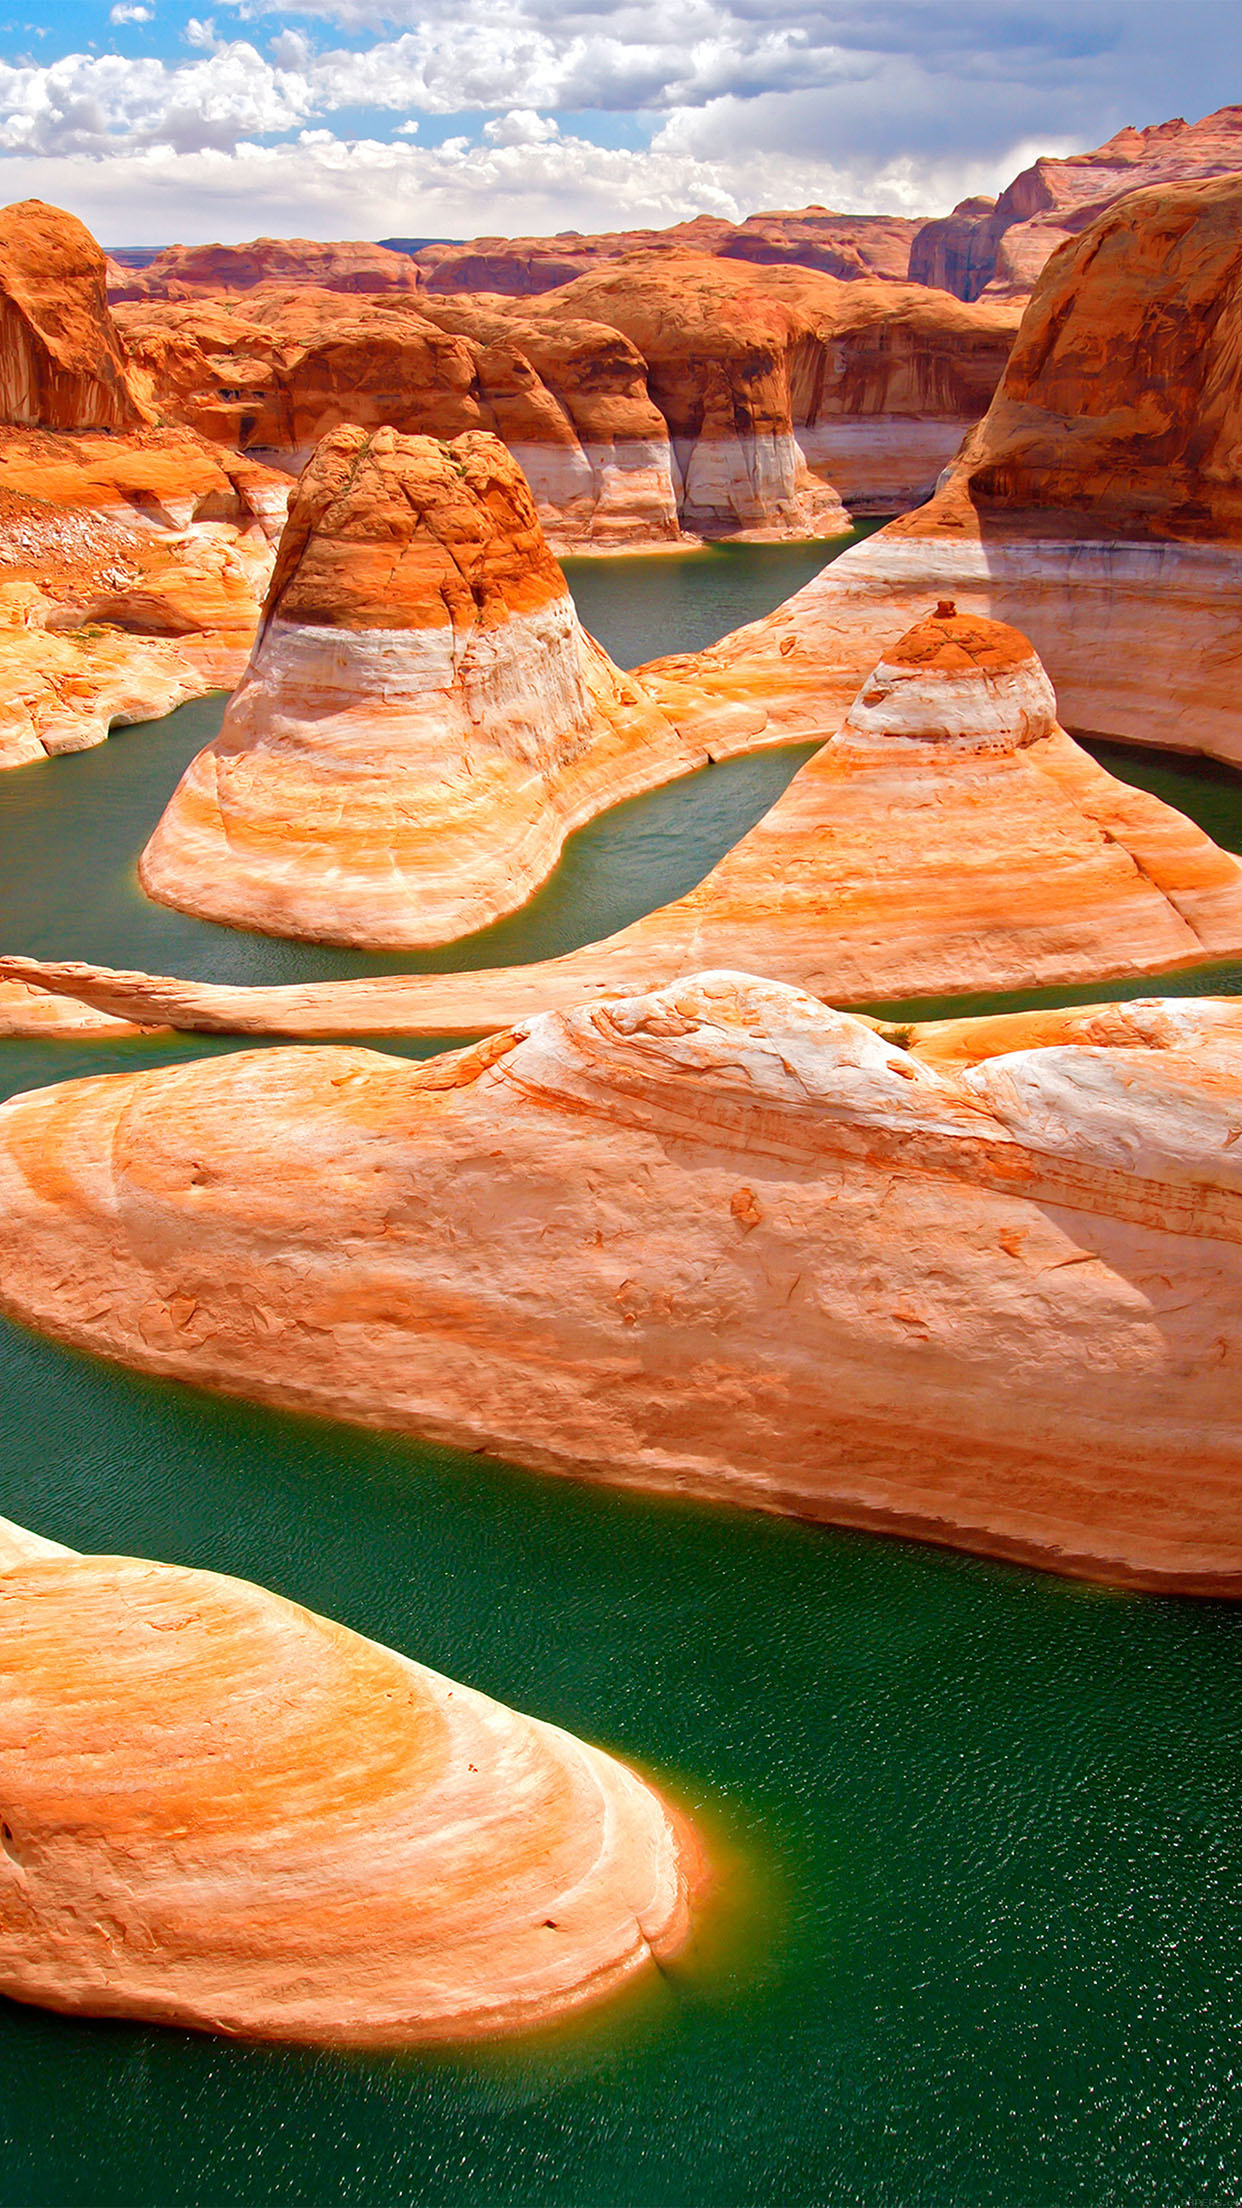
[(222, 1811), (668, 395), (132, 558), (998, 247), (1096, 507), (717, 1240), (423, 720), (849, 246), (950, 838), (132, 569), (61, 362), (183, 271)]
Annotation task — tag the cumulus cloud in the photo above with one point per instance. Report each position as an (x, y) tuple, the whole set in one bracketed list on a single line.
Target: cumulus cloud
[(123, 13)]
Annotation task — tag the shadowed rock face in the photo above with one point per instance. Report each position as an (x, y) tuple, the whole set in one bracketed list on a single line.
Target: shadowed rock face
[(423, 719), (713, 1239), (61, 361), (996, 248), (1095, 507), (225, 1812)]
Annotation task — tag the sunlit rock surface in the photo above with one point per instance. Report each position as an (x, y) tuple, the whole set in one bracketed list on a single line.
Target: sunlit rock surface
[(222, 1811), (1096, 507), (950, 838), (423, 720), (715, 1239)]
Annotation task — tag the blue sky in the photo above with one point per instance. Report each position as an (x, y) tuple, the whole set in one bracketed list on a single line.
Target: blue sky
[(364, 118)]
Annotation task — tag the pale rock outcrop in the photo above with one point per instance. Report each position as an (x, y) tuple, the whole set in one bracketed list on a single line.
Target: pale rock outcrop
[(715, 1239), (224, 1812), (950, 838), (423, 720), (991, 248), (1096, 507)]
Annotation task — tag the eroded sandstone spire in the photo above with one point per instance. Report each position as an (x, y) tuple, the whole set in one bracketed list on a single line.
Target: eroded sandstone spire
[(423, 719), (220, 1810)]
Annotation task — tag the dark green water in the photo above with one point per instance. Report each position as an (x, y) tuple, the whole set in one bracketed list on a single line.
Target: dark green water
[(983, 1943)]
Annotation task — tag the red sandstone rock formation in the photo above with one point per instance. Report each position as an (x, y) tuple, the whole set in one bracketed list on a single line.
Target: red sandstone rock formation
[(184, 271), (224, 1812), (1000, 246), (423, 720), (848, 246), (716, 1240), (1096, 507), (61, 362), (951, 837)]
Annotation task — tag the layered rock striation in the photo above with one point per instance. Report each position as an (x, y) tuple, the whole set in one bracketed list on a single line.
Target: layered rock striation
[(991, 248), (224, 1812), (950, 838), (1095, 507), (714, 1239), (423, 719)]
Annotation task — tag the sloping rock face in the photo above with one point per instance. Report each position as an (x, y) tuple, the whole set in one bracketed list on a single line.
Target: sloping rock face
[(181, 271), (224, 1812), (1095, 507), (998, 247), (849, 246), (423, 719), (717, 1239), (132, 569), (950, 838), (61, 362)]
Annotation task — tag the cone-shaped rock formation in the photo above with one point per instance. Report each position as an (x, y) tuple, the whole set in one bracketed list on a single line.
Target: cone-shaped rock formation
[(950, 838), (223, 1811), (423, 719)]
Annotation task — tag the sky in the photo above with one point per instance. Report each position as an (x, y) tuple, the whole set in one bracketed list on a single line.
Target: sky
[(455, 118)]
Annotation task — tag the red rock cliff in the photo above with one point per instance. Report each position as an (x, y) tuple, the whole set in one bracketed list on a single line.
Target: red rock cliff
[(61, 360)]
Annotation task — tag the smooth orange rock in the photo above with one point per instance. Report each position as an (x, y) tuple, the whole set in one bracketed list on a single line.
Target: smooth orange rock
[(998, 247), (348, 266), (61, 362), (423, 720), (1095, 507), (222, 1811), (716, 1240), (950, 838)]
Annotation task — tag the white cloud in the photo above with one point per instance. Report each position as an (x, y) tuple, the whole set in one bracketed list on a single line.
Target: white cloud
[(123, 12)]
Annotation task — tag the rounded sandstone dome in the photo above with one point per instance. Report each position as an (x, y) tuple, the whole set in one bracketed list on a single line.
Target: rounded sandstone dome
[(960, 679), (222, 1811)]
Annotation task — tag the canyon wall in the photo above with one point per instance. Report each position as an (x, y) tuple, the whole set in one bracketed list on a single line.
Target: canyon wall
[(225, 1813), (998, 247), (717, 1240), (1095, 508)]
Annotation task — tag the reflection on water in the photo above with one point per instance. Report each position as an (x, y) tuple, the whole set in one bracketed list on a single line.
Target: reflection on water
[(990, 1823)]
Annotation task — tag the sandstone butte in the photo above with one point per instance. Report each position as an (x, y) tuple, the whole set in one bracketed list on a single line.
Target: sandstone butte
[(221, 1811), (1096, 507), (997, 247), (668, 395), (133, 557), (715, 1239), (850, 246), (185, 271), (950, 838), (423, 720)]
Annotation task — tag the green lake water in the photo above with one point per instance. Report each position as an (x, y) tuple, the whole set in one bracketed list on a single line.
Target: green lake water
[(979, 1936)]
